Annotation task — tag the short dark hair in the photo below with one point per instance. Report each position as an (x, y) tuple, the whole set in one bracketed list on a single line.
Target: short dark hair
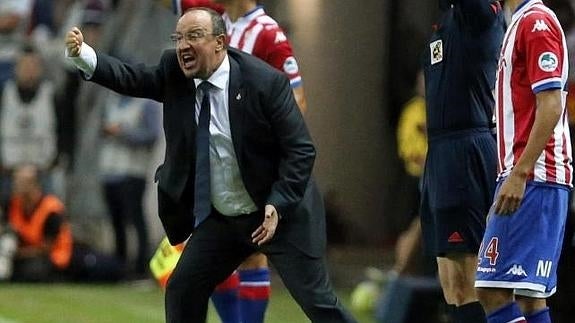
[(218, 24)]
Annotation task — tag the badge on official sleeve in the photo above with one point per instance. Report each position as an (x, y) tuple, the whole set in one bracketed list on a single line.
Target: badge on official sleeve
[(548, 62), (436, 51)]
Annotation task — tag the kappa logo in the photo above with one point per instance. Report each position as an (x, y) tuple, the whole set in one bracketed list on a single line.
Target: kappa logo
[(436, 48), (516, 270), (540, 25), (548, 61), (280, 37)]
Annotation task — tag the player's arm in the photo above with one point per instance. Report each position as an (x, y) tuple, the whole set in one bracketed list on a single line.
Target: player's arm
[(131, 80), (273, 47), (544, 52), (299, 95), (549, 111)]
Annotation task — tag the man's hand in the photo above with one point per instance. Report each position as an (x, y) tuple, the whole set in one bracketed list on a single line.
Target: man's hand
[(266, 231), (510, 194), (74, 40)]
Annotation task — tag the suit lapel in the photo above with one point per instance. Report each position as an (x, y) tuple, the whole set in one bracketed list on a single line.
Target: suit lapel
[(237, 101)]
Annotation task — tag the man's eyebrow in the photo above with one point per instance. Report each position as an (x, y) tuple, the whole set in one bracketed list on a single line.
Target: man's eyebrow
[(193, 29)]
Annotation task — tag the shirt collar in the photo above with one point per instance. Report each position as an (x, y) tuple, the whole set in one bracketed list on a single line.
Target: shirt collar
[(255, 12), (220, 77), (523, 7)]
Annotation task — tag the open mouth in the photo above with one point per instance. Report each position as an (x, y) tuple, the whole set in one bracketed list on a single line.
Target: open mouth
[(188, 60)]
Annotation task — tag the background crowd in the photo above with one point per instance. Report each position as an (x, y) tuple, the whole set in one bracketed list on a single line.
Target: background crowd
[(94, 151)]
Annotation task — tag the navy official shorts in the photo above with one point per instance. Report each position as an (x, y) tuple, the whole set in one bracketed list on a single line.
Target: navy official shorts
[(458, 186)]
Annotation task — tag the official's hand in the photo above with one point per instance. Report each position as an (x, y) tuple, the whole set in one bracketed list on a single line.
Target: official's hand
[(510, 195), (265, 232), (74, 40)]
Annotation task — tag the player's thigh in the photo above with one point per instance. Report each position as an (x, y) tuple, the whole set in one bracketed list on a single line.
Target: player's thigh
[(521, 251), (457, 269)]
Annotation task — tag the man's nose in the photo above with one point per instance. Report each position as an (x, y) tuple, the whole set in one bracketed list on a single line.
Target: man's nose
[(183, 45)]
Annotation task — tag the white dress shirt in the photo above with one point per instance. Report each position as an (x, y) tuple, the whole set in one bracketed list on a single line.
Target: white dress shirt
[(228, 193)]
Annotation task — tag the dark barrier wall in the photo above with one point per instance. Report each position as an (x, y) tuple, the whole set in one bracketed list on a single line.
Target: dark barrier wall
[(341, 46), (356, 58)]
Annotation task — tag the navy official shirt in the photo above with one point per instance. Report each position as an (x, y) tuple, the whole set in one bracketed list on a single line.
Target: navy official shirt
[(460, 64)]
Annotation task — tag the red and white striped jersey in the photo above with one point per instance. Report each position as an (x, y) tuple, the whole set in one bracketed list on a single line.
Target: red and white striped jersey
[(260, 35), (533, 59)]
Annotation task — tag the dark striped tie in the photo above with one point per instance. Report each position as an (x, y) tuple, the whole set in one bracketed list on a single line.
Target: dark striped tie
[(202, 199)]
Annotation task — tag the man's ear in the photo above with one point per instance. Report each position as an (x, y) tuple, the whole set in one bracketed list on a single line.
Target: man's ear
[(221, 43)]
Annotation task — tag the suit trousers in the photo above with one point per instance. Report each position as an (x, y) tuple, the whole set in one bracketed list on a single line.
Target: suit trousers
[(216, 248)]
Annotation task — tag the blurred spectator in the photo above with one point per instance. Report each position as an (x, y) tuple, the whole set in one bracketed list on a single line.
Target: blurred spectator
[(412, 140), (41, 27), (27, 119), (412, 149), (130, 128), (45, 248), (411, 132), (13, 19), (45, 238), (91, 15)]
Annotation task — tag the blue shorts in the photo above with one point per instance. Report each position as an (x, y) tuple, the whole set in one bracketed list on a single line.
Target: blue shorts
[(521, 251), (458, 186)]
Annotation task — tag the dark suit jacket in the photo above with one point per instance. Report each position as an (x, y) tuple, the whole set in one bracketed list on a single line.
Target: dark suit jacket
[(274, 149)]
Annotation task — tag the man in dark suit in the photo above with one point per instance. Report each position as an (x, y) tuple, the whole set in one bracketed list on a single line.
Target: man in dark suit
[(258, 194)]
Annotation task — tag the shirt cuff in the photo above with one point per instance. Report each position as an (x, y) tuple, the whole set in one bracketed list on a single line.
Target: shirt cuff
[(87, 60)]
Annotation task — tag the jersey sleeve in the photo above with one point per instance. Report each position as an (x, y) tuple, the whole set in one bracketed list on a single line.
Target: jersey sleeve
[(479, 14), (273, 47), (542, 42)]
